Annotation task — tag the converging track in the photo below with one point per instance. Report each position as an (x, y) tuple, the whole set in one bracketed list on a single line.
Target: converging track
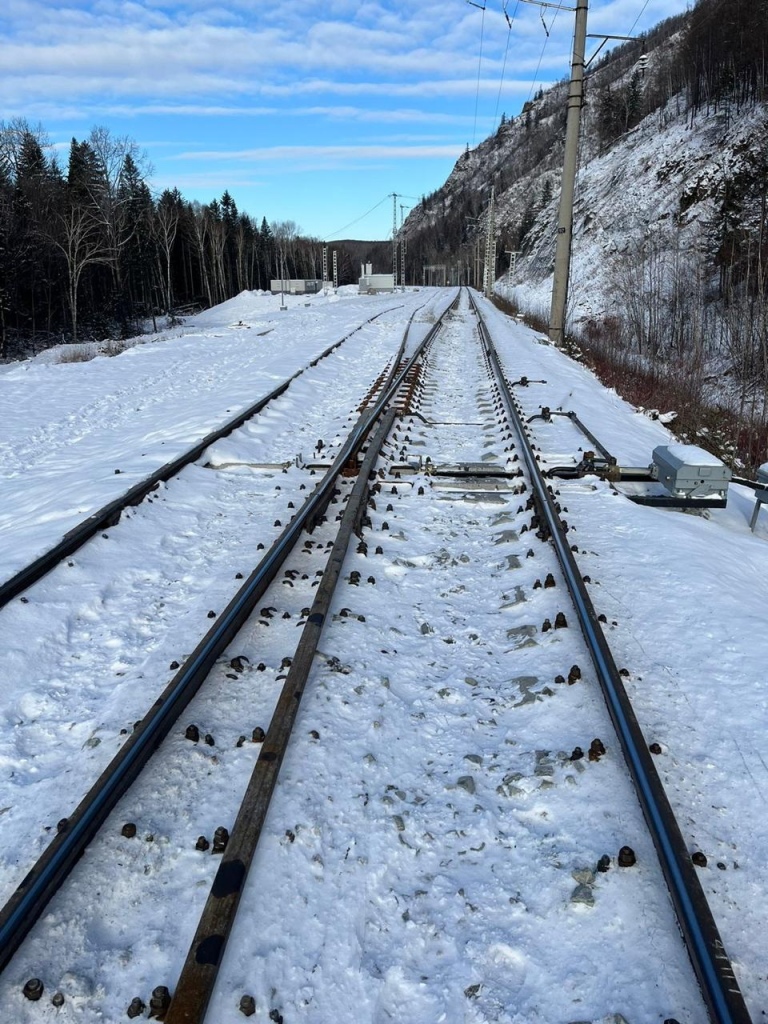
[(455, 726)]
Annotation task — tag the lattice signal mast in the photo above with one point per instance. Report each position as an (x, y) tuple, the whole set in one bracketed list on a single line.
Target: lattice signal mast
[(490, 248), (394, 239)]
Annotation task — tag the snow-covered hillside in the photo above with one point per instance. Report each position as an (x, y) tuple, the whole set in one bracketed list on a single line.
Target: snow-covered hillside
[(675, 195)]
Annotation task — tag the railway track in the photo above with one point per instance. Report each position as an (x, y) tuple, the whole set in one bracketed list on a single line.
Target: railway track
[(109, 515), (431, 766)]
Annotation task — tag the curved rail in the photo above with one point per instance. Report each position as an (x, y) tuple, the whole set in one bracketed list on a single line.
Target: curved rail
[(46, 876), (109, 514), (195, 986), (706, 950)]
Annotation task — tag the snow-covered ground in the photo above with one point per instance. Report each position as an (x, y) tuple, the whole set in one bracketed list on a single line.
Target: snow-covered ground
[(432, 852)]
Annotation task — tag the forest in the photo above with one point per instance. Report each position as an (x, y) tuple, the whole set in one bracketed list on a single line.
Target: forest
[(90, 253)]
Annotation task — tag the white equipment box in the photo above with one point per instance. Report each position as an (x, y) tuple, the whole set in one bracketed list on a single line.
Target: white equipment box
[(688, 471)]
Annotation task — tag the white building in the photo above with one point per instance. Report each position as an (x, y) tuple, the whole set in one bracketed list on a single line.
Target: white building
[(294, 286), (372, 284)]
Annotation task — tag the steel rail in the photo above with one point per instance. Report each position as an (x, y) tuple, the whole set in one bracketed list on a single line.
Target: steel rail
[(198, 976), (25, 906), (711, 964), (109, 514)]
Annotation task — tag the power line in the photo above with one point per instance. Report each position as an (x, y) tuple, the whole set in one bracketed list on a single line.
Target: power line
[(479, 66), (506, 51), (541, 55), (642, 11), (357, 221)]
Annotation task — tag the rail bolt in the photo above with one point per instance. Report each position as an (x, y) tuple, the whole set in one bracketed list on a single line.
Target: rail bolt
[(160, 1001), (33, 989), (596, 749), (220, 839), (57, 999), (136, 1008), (128, 830), (202, 844), (247, 1006), (627, 858), (192, 733)]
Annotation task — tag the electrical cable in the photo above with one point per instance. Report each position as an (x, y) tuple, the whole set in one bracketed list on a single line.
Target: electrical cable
[(479, 66), (642, 11), (506, 51), (357, 221), (541, 55)]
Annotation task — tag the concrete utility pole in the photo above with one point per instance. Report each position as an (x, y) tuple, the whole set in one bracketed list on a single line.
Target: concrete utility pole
[(565, 213)]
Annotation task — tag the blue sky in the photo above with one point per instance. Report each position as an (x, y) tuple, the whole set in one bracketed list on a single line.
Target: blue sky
[(311, 112)]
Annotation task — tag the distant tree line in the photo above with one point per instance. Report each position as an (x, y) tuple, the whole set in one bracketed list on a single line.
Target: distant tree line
[(89, 251)]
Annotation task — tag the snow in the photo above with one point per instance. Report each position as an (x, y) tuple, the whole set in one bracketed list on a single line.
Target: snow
[(431, 852), (692, 455)]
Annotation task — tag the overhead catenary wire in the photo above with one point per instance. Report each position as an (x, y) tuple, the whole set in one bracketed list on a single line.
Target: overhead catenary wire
[(642, 12), (358, 219), (541, 55), (479, 67), (506, 52)]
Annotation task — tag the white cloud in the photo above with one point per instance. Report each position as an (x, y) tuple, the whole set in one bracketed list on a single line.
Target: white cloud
[(335, 153)]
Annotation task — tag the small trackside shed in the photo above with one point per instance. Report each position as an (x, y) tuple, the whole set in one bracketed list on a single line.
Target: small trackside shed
[(372, 284), (295, 286)]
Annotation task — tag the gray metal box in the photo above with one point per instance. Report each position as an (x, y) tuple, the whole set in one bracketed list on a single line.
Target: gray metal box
[(762, 474), (690, 472)]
